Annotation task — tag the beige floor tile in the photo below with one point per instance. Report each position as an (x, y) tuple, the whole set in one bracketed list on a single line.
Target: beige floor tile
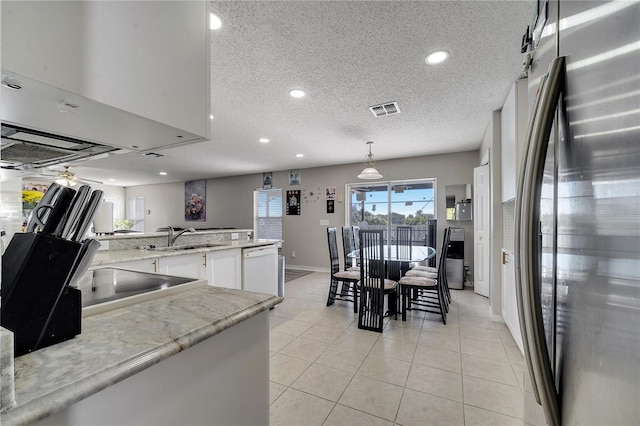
[(484, 368), (277, 341), (436, 382), (476, 321), (438, 358), (474, 416), (285, 370), (335, 321), (275, 390), (306, 349), (373, 397), (275, 321), (397, 349), (507, 338), (345, 416), (345, 359), (421, 409), (519, 372), (439, 341), (322, 334), (298, 408), (449, 329), (483, 349), (357, 339), (388, 370), (492, 396), (312, 316), (293, 327), (514, 354), (405, 334), (323, 381), (479, 333)]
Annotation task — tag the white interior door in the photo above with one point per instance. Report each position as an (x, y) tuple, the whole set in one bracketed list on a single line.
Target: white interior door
[(481, 231)]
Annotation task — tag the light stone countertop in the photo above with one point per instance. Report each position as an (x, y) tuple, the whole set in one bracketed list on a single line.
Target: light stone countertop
[(118, 344), (108, 257), (164, 233)]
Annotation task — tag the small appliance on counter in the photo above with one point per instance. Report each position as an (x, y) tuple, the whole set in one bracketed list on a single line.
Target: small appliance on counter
[(39, 268)]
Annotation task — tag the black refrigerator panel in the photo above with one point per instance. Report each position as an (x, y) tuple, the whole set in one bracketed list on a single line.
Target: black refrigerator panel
[(598, 243)]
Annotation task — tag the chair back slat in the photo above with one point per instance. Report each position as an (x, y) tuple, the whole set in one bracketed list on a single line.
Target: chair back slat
[(347, 245), (404, 241), (372, 277), (333, 250)]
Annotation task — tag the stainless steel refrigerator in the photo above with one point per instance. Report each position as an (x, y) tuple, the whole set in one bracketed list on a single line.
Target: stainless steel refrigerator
[(578, 214)]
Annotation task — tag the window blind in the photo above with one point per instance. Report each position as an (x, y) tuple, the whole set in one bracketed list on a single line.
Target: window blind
[(267, 213)]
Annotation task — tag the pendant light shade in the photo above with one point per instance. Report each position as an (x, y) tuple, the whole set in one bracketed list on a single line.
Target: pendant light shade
[(370, 171)]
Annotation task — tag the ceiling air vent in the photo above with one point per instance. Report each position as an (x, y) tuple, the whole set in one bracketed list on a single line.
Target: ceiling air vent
[(385, 109)]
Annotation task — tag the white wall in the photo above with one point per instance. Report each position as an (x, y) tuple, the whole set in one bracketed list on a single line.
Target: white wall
[(230, 201)]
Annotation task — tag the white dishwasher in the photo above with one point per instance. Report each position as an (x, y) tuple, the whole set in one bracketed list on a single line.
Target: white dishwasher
[(260, 269)]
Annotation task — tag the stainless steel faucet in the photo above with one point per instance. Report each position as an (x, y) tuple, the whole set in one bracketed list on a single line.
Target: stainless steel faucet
[(173, 235)]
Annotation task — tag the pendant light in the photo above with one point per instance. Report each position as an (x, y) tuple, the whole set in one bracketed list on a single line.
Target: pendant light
[(370, 171)]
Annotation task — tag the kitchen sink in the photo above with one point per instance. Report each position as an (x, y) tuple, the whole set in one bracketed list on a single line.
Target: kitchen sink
[(188, 247)]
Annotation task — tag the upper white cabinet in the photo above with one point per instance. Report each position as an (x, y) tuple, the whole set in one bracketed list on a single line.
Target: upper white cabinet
[(149, 58), (513, 132)]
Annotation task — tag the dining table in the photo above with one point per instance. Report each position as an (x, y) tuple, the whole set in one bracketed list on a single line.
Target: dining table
[(398, 257)]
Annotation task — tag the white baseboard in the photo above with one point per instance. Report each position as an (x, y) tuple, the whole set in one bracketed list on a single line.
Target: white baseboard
[(306, 268)]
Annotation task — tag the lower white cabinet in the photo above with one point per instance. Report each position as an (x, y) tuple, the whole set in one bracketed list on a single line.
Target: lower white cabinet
[(187, 265), (224, 268)]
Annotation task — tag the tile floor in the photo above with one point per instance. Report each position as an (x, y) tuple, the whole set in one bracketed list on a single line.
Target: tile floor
[(325, 371)]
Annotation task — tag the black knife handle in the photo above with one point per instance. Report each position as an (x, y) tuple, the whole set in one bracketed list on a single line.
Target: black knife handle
[(58, 211)]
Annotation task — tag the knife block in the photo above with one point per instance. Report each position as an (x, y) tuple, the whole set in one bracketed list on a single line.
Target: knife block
[(37, 304)]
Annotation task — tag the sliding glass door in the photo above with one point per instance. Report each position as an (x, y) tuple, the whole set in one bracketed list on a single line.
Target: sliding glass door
[(387, 205)]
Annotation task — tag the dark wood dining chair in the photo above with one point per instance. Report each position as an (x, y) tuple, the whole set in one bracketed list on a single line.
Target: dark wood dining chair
[(373, 282), (347, 279), (348, 246), (404, 243), (425, 293)]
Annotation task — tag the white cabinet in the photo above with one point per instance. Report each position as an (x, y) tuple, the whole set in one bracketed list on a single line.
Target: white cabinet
[(224, 268), (149, 58), (513, 122), (509, 303), (187, 265)]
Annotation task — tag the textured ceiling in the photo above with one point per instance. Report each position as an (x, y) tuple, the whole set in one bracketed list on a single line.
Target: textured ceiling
[(347, 56)]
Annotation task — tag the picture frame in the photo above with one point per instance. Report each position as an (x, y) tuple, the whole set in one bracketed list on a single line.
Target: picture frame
[(267, 180), (195, 200), (294, 177), (293, 202), (330, 192), (331, 207)]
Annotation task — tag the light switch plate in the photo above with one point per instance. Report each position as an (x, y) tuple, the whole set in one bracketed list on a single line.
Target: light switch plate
[(234, 236)]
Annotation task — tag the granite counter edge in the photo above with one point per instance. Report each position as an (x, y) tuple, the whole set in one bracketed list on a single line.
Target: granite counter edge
[(55, 401)]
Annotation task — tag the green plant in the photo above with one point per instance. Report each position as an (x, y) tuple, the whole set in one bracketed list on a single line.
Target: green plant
[(124, 224)]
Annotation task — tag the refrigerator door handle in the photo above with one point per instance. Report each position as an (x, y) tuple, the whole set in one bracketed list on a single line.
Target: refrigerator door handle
[(526, 244)]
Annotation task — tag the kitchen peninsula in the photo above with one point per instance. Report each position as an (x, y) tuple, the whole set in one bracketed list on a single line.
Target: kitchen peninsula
[(198, 356)]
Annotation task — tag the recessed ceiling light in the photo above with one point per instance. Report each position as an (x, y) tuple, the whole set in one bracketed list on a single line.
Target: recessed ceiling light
[(297, 93), (215, 23), (211, 117), (263, 140), (112, 180), (299, 155), (162, 173), (437, 57)]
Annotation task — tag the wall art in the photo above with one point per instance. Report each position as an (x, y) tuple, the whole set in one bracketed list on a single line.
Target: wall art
[(294, 177), (293, 202), (195, 200)]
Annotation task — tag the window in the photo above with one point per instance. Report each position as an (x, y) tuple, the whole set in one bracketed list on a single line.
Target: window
[(407, 203), (267, 214), (136, 213)]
